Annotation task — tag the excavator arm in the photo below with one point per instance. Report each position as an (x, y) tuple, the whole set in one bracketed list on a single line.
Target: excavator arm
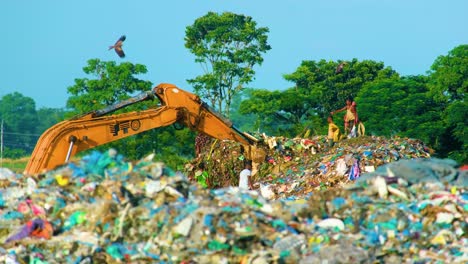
[(67, 138)]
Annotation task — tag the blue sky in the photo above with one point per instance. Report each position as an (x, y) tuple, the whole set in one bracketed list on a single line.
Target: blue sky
[(45, 44)]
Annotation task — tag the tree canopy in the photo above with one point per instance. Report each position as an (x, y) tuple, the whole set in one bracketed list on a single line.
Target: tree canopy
[(448, 85), (318, 90), (18, 112), (430, 107), (227, 46), (112, 83), (23, 124), (327, 89), (400, 107), (449, 75)]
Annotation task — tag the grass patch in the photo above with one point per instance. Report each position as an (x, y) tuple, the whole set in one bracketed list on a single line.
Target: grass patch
[(16, 165)]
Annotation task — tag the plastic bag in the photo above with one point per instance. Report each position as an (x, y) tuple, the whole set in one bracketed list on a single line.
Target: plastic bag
[(353, 133), (361, 130), (355, 172)]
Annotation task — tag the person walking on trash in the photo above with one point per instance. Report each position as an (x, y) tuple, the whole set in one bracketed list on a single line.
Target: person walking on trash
[(245, 182), (334, 134), (351, 117)]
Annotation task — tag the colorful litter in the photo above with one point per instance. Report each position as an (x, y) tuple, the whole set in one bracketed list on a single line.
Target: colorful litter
[(365, 200)]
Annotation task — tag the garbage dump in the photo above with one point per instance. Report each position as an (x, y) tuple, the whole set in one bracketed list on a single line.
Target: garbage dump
[(296, 166), (318, 205)]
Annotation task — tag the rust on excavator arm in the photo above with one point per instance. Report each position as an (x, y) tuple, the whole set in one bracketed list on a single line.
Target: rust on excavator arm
[(65, 139)]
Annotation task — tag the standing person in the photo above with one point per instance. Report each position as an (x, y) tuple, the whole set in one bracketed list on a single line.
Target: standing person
[(245, 182), (334, 134), (351, 116)]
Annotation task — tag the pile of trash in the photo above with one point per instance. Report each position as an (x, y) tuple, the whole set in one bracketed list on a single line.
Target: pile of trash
[(105, 209), (298, 166)]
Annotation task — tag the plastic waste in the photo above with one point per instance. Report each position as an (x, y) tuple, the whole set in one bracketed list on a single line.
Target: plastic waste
[(76, 218), (332, 223), (35, 228), (148, 213), (355, 171), (266, 192)]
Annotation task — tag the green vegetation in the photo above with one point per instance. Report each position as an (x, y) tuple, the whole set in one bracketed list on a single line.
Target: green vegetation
[(432, 107), (112, 83), (227, 46), (16, 165)]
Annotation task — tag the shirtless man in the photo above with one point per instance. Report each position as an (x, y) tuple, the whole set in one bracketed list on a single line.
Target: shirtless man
[(351, 116)]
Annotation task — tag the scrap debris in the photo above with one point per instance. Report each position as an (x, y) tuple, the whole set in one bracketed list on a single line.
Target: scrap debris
[(401, 205)]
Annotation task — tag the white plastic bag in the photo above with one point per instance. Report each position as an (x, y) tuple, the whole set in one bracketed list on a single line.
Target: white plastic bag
[(266, 192), (353, 132)]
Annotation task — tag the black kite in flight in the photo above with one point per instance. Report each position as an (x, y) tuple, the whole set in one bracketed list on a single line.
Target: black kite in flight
[(118, 47)]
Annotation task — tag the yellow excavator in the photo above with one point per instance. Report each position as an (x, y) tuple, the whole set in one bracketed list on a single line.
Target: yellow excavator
[(67, 138)]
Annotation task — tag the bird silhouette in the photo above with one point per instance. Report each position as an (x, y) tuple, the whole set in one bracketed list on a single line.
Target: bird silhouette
[(339, 69), (118, 46)]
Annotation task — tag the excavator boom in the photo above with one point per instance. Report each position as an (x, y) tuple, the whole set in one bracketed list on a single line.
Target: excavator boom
[(65, 139)]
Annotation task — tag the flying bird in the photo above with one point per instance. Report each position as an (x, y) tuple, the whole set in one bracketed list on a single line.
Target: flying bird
[(118, 47), (339, 69)]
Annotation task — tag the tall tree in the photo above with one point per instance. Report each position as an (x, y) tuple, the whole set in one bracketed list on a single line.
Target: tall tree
[(227, 46), (18, 113)]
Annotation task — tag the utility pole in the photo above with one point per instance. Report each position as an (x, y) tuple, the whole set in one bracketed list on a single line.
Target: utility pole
[(1, 145)]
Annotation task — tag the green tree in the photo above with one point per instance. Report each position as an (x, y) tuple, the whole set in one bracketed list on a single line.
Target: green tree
[(319, 89), (173, 147), (278, 112), (243, 122), (47, 117), (401, 107), (449, 84), (263, 105), (407, 107), (449, 75), (19, 116), (456, 143), (326, 90), (112, 83), (227, 46)]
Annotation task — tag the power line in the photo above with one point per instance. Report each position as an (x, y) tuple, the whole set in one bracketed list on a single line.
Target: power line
[(21, 134), (15, 145)]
